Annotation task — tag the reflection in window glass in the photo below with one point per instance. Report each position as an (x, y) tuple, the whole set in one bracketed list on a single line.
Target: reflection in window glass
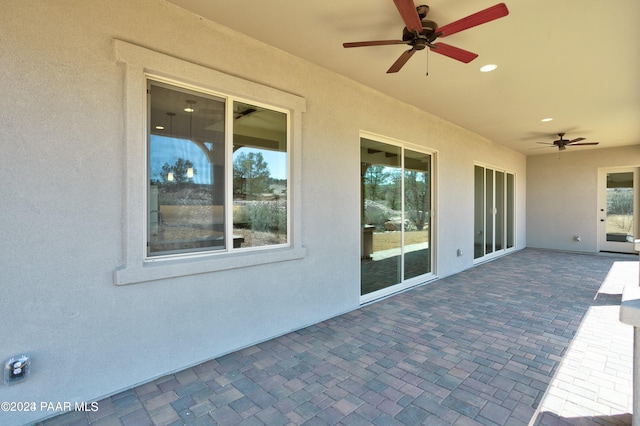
[(186, 171), (260, 174)]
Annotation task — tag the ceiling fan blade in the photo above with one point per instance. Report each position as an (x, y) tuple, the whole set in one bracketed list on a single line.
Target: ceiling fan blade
[(409, 15), (494, 12), (373, 43), (575, 140), (543, 147), (399, 63), (453, 52), (583, 143)]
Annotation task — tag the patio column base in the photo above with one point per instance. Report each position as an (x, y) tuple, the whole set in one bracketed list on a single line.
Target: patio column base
[(630, 314)]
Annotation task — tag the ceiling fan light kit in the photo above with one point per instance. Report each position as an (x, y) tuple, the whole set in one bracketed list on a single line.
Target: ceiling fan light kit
[(420, 33)]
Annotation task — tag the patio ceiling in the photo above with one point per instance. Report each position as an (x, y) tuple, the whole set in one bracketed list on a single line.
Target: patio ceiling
[(574, 61)]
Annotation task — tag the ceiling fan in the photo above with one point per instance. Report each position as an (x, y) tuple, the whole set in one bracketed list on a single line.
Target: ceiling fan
[(562, 143), (420, 33)]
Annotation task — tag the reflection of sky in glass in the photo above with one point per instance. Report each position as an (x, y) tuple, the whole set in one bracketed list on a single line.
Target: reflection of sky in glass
[(167, 150), (276, 160)]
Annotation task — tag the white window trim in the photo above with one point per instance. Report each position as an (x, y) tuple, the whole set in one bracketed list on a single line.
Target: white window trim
[(139, 62)]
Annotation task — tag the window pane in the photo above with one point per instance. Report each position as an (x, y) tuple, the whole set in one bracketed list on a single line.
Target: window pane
[(186, 171), (260, 176)]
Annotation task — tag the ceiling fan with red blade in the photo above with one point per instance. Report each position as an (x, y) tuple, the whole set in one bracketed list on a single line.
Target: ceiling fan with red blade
[(420, 33), (562, 143)]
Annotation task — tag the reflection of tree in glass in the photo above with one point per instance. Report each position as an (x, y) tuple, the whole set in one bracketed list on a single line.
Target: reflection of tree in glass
[(179, 169), (416, 199), (250, 174), (383, 183), (620, 203), (375, 178)]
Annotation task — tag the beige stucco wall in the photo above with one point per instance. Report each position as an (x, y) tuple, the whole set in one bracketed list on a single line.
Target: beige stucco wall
[(61, 226), (562, 196)]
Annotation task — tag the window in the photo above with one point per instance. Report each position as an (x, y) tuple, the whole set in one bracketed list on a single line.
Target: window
[(211, 189), (188, 196)]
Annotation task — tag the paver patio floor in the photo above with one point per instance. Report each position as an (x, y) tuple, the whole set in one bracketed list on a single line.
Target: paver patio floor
[(531, 338)]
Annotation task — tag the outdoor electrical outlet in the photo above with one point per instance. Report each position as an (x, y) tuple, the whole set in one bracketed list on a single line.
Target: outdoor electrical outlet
[(577, 238), (17, 369), (459, 253)]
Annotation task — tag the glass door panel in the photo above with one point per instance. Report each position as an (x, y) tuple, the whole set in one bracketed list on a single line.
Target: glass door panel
[(619, 216), (381, 245), (489, 214), (479, 210), (499, 211), (417, 214), (510, 210), (618, 222)]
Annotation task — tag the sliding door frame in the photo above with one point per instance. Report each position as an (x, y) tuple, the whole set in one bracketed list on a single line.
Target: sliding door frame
[(498, 211), (429, 276)]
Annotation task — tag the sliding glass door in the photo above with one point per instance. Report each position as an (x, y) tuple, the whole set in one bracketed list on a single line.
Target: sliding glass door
[(396, 217), (494, 224)]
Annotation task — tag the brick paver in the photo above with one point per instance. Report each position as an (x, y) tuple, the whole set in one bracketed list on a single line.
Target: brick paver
[(530, 338)]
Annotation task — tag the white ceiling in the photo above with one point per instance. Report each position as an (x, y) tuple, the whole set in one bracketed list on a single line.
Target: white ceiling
[(577, 61)]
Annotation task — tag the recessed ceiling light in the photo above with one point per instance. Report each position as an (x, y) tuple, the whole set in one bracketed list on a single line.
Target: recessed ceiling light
[(544, 120), (488, 68), (159, 127)]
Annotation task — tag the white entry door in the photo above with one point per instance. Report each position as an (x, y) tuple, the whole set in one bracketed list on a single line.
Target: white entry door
[(618, 209)]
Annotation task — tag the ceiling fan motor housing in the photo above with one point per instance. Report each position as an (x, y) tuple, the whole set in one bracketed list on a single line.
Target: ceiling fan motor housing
[(425, 36)]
